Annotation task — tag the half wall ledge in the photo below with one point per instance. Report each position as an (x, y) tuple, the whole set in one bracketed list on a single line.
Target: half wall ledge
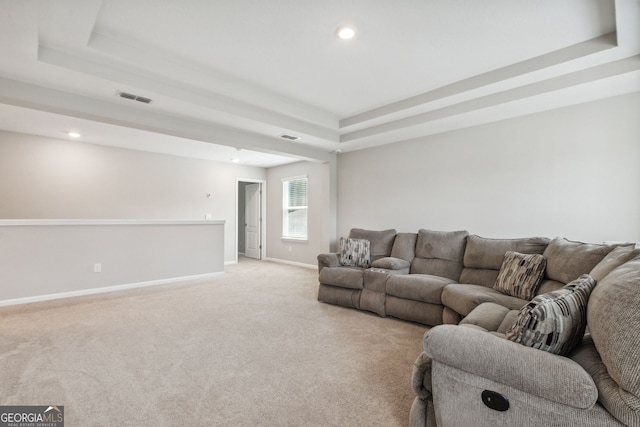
[(57, 258)]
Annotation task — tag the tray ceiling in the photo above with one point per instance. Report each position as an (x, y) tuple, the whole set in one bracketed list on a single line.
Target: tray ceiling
[(236, 75)]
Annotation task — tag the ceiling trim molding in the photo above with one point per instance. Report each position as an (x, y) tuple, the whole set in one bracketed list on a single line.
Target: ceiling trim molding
[(218, 83), (599, 72), (225, 110), (596, 90), (589, 47), (72, 61), (54, 101)]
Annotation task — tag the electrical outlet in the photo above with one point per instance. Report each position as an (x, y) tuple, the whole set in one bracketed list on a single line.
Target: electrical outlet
[(97, 268), (208, 216), (289, 248)]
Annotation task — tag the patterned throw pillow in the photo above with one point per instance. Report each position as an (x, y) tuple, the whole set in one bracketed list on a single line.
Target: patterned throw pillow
[(554, 322), (355, 252), (520, 274)]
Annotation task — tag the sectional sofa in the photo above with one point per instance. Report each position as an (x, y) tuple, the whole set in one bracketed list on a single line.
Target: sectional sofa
[(507, 344)]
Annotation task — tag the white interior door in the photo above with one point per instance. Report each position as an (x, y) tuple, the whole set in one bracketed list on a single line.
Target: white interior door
[(252, 232)]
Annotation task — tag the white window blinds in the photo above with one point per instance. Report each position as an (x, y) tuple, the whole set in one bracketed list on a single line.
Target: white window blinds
[(294, 207)]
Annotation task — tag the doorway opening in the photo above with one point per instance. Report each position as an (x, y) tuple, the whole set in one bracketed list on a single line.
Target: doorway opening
[(251, 212)]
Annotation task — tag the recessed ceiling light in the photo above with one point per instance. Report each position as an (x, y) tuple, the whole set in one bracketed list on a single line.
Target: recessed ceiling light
[(235, 160), (346, 32), (74, 134)]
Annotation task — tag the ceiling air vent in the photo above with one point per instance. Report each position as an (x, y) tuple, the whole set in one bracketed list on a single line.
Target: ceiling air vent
[(134, 97), (289, 137)]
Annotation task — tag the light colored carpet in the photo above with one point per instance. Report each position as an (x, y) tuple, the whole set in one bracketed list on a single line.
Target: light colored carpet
[(250, 347)]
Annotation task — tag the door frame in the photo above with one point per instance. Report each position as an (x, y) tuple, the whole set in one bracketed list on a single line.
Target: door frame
[(263, 214)]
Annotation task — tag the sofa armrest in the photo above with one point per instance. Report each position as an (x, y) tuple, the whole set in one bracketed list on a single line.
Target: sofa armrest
[(421, 376), (533, 371), (328, 260)]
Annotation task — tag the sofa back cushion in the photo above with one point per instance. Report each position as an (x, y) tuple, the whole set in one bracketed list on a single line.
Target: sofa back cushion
[(614, 320), (404, 247), (380, 242), (568, 260), (439, 253), (614, 259), (483, 257)]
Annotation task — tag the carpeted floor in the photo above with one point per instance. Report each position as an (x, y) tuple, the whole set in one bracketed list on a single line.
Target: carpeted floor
[(247, 348)]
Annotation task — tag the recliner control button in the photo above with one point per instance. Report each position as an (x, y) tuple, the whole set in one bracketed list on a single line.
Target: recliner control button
[(495, 400)]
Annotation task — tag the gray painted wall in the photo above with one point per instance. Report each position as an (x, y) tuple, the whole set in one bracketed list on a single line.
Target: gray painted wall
[(318, 213), (572, 172), (44, 260), (46, 178)]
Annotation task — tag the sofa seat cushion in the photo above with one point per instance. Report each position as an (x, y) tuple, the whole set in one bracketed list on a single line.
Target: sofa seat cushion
[(418, 287), (375, 279), (463, 298), (344, 277), (391, 263), (491, 317)]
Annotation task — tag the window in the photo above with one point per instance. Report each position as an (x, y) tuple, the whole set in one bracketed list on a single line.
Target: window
[(294, 208)]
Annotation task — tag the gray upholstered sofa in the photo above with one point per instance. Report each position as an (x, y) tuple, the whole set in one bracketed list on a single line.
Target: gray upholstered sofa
[(435, 277), (447, 278)]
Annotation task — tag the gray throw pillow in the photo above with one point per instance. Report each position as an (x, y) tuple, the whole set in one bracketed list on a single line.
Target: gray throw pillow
[(554, 322), (520, 274), (355, 252)]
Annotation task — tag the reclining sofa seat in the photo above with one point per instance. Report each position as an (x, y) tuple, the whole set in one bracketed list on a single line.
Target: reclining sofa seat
[(374, 294), (452, 273), (343, 285), (437, 263), (597, 385), (436, 277), (482, 261), (415, 277)]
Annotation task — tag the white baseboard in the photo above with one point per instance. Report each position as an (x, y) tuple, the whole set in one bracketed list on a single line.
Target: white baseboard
[(297, 264), (61, 295)]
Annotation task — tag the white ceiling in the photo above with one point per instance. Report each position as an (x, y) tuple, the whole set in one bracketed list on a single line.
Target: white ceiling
[(227, 78)]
